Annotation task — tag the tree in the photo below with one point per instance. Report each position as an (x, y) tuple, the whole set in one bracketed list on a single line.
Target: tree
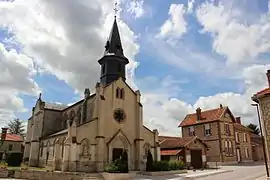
[(16, 127), (254, 128)]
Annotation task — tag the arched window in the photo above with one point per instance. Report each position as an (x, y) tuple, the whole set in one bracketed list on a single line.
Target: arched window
[(122, 93), (118, 93)]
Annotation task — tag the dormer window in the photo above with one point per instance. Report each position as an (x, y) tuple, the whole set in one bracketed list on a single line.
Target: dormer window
[(120, 94)]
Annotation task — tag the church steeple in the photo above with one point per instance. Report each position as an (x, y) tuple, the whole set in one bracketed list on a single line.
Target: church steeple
[(113, 62), (114, 45)]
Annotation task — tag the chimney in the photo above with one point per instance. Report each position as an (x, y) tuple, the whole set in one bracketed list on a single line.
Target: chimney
[(220, 106), (268, 76), (238, 120), (4, 134), (198, 112)]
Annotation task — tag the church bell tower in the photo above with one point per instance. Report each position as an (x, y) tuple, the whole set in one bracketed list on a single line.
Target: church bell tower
[(113, 63)]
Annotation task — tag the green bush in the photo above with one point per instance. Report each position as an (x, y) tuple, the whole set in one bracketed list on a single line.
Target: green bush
[(176, 165), (167, 165), (117, 166), (160, 166), (14, 159)]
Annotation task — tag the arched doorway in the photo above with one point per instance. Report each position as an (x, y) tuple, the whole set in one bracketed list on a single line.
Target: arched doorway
[(120, 157), (149, 161)]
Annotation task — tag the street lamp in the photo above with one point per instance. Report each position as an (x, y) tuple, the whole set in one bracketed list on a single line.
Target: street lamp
[(263, 143)]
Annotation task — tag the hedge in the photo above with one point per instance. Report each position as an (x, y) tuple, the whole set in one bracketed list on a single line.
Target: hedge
[(167, 165), (14, 159)]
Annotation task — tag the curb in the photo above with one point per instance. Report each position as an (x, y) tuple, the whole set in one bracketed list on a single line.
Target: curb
[(210, 174)]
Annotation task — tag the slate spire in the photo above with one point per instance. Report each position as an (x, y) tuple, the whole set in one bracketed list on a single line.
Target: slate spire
[(113, 44), (113, 63)]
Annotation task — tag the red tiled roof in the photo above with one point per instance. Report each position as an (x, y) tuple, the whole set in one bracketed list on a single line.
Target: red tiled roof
[(174, 142), (264, 91), (13, 137), (165, 152), (206, 116)]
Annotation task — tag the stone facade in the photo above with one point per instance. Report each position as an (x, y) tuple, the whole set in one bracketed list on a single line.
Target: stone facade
[(243, 142), (263, 100), (91, 133)]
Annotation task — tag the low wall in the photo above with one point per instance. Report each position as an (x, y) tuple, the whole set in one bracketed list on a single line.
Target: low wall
[(44, 175), (118, 176), (163, 173)]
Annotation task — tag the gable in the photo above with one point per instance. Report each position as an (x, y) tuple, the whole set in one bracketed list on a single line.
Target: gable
[(228, 116)]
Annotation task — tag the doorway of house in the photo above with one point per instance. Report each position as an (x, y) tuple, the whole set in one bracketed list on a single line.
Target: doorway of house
[(196, 159), (238, 155)]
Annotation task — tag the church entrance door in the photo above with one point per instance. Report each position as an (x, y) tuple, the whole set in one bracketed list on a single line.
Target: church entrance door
[(120, 155), (149, 161)]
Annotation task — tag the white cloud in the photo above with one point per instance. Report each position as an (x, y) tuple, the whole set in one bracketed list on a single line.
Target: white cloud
[(240, 42), (135, 8), (66, 39), (16, 71), (176, 25)]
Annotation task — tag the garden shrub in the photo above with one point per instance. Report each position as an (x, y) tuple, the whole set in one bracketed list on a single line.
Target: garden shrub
[(14, 159), (167, 165), (176, 165), (117, 166)]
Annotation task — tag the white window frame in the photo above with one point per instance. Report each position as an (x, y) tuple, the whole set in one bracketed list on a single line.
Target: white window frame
[(236, 137), (245, 137), (207, 130), (226, 146), (191, 131), (246, 152)]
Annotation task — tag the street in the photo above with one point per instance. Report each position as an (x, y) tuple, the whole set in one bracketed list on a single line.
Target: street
[(243, 172)]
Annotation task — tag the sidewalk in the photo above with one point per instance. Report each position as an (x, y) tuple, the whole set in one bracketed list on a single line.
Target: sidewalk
[(204, 173), (263, 178)]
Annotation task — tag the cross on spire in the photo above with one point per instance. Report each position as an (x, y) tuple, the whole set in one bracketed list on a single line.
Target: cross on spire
[(115, 9)]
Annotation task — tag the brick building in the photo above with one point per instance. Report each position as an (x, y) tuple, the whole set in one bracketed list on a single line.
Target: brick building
[(191, 150), (216, 128)]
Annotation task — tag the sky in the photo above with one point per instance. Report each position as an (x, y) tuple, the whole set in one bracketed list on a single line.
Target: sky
[(183, 54)]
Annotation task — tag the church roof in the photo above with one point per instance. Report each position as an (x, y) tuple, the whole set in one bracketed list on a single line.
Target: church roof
[(55, 106)]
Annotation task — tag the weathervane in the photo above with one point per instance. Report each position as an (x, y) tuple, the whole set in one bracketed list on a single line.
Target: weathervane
[(115, 9)]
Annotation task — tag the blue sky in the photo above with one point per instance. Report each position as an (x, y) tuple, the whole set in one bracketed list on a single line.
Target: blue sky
[(203, 59)]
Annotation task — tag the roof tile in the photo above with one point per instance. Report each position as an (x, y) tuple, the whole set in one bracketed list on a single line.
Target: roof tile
[(174, 142), (13, 137), (165, 152), (206, 116)]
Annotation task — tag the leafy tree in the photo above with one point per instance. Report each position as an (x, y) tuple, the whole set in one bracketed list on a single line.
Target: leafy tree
[(254, 128), (16, 127)]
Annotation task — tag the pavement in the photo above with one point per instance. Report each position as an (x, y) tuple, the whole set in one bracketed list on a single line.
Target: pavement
[(251, 171)]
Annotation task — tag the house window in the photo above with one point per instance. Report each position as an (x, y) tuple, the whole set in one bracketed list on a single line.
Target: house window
[(226, 147), (191, 131), (10, 147), (236, 137), (246, 151), (245, 137), (227, 129), (230, 147), (207, 130), (103, 68)]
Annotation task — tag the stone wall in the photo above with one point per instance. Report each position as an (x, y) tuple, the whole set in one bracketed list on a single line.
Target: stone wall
[(43, 175)]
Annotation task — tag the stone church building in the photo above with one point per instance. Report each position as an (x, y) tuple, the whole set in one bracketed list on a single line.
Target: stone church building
[(98, 129)]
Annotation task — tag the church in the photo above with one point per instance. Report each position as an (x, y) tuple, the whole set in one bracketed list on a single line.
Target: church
[(98, 129)]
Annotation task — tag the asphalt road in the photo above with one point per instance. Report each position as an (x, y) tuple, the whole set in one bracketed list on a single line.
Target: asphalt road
[(246, 172)]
